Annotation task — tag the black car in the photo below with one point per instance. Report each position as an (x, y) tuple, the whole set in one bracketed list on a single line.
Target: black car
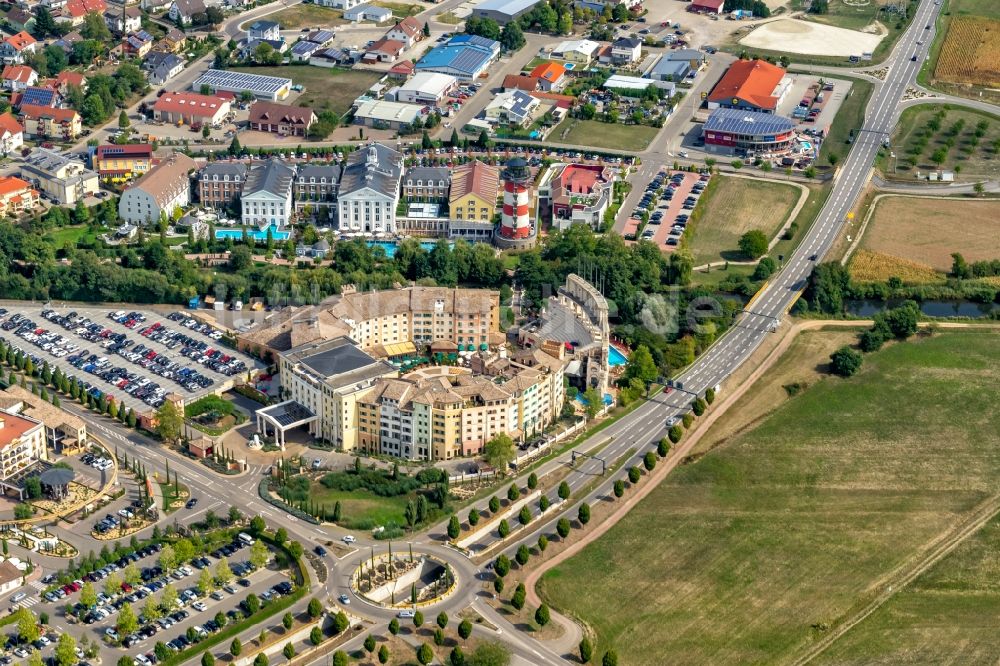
[(244, 582), (191, 503)]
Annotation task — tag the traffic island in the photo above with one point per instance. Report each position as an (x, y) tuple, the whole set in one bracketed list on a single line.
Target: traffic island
[(403, 580)]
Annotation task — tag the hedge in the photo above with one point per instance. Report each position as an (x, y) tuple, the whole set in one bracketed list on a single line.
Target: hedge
[(262, 490)]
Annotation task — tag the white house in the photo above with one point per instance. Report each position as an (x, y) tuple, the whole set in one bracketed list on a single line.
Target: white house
[(264, 30), (162, 189), (18, 77), (513, 108), (369, 190), (184, 10), (267, 195), (11, 134), (626, 50)]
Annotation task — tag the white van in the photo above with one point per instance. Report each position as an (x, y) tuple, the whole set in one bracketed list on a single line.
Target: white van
[(245, 538), (17, 597)]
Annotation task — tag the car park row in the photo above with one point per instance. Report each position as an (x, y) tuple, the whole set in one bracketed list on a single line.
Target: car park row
[(658, 200)]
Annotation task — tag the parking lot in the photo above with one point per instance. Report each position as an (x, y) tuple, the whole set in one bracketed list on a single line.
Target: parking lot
[(191, 618), (669, 200), (133, 356)]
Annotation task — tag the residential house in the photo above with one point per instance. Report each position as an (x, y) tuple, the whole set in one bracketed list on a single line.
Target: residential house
[(18, 77), (220, 183), (331, 57), (161, 66), (267, 195), (21, 20), (340, 4), (427, 184), (248, 48), (281, 119), (303, 50), (578, 194), (121, 162), (36, 96), (384, 50), (154, 6), (11, 134), (368, 12), (528, 84), (402, 70), (581, 51), (316, 188), (474, 188), (67, 79), (409, 31), (123, 22), (626, 50), (42, 122), (369, 190), (14, 48), (321, 37), (172, 42), (164, 188), (65, 179), (16, 196), (75, 10), (67, 41), (138, 44), (183, 11), (551, 76), (514, 108), (265, 30)]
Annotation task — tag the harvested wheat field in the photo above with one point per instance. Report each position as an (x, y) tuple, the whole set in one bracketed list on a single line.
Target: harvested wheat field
[(971, 52), (928, 231), (868, 266)]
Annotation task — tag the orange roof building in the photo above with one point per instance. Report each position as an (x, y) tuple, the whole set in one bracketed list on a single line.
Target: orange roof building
[(67, 78), (17, 77), (474, 188), (22, 442), (43, 122), (520, 82), (751, 85), (551, 75), (14, 46), (16, 196)]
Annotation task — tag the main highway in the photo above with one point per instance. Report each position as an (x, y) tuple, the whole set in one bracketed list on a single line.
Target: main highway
[(637, 431)]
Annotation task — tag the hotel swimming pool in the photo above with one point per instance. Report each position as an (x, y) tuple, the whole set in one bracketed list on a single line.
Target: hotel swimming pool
[(256, 234), (607, 400), (616, 357), (390, 246)]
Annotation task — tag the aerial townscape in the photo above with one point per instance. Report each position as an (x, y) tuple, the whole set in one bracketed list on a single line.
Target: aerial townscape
[(499, 332)]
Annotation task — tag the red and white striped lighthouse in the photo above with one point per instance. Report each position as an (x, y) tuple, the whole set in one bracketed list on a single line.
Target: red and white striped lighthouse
[(515, 223)]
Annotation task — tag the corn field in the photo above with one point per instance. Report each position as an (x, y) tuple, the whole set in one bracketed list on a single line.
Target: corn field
[(971, 52)]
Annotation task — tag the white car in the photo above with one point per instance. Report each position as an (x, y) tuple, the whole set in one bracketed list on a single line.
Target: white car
[(199, 606), (142, 660), (404, 614), (672, 421), (344, 599), (348, 539), (111, 633)]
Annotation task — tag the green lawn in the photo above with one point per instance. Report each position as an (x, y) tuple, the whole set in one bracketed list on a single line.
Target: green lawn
[(739, 556), (70, 235), (361, 509), (603, 135), (400, 10), (973, 156), (331, 89)]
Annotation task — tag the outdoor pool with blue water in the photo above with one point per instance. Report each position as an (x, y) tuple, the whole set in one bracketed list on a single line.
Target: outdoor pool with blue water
[(256, 234), (807, 146), (616, 357), (390, 246), (607, 399)]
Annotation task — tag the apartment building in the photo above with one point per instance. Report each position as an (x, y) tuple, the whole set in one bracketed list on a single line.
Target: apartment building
[(220, 183), (369, 190), (473, 194), (22, 443), (43, 122), (16, 196), (118, 163), (162, 189), (63, 178), (267, 195)]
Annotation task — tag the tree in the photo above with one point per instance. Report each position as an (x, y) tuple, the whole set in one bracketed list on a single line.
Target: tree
[(473, 517), (543, 543), (494, 504), (66, 650), (223, 574), (236, 647), (641, 366), (501, 566), (88, 596), (27, 625), (523, 555), (168, 598), (259, 554), (315, 636), (288, 651), (281, 535), (619, 488), (583, 514), (161, 651), (610, 658), (441, 620), (456, 657), (127, 622), (532, 481), (287, 620), (169, 422), (563, 527), (586, 650), (524, 517), (503, 529), (511, 37), (383, 655), (564, 491), (425, 654), (542, 615), (499, 452), (260, 659), (252, 603), (151, 609), (513, 492), (122, 661), (394, 626), (543, 503), (649, 461), (315, 608), (123, 121), (465, 629), (339, 658), (454, 528), (418, 619), (753, 244), (845, 361)]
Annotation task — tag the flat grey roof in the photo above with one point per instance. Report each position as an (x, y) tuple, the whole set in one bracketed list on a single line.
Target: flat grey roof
[(510, 7)]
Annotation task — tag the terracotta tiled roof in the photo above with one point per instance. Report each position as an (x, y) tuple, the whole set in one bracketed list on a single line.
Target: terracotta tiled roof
[(78, 8), (163, 178), (12, 185), (403, 67), (34, 112), (280, 113), (8, 123), (19, 73), (14, 427), (751, 81), (475, 177), (192, 104), (550, 71), (520, 82), (410, 26), (20, 41), (69, 78), (388, 46)]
